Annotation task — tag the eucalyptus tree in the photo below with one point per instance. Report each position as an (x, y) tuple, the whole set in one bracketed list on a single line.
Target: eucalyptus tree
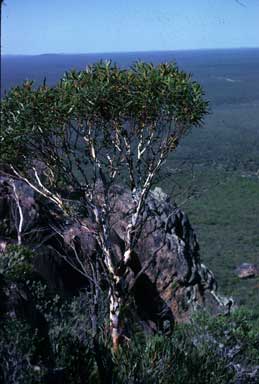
[(93, 129)]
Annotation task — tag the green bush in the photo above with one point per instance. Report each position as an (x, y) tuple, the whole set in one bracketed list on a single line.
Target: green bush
[(16, 263), (239, 330)]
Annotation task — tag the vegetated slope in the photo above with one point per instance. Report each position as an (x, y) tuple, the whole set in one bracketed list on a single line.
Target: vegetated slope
[(226, 220), (221, 163)]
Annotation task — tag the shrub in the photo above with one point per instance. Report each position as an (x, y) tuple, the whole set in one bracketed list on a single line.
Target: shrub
[(173, 360), (16, 263)]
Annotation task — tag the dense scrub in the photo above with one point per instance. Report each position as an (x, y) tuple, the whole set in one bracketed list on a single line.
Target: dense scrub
[(207, 350)]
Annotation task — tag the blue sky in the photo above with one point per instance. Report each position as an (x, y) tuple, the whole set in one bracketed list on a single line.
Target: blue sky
[(83, 26)]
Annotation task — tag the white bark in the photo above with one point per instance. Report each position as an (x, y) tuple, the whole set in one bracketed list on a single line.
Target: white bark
[(40, 189), (20, 214)]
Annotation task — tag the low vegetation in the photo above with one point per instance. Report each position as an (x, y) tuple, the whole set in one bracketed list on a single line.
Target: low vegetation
[(207, 350)]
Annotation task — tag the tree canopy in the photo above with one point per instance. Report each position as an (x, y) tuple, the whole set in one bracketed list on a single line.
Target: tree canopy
[(143, 97)]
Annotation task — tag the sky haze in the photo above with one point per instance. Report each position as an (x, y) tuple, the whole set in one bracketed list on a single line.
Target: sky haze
[(84, 26)]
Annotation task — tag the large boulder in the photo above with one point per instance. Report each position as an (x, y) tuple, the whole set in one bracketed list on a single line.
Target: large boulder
[(168, 252)]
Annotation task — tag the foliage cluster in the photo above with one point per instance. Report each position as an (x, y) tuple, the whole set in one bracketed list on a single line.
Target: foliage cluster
[(16, 263)]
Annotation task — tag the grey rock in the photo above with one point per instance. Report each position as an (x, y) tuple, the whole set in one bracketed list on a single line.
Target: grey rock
[(247, 270), (169, 246)]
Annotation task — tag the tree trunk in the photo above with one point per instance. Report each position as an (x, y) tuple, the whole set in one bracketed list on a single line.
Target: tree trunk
[(115, 320)]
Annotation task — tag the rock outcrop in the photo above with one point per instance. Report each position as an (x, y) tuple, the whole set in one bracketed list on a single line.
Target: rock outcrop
[(172, 281), (247, 270), (168, 251)]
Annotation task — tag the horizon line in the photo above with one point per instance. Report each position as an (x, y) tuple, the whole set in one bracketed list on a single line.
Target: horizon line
[(127, 52)]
